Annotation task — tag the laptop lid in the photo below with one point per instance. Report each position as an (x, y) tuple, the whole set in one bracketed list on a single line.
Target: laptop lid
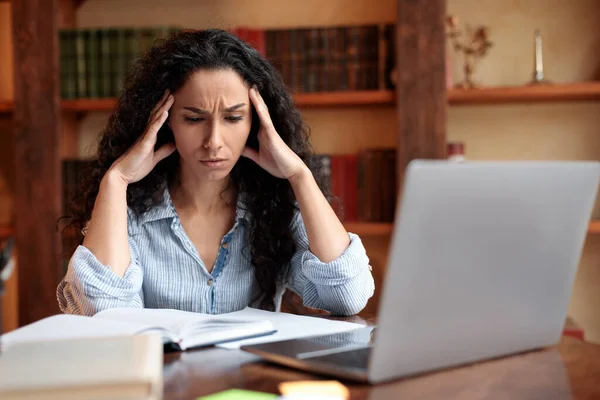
[(482, 261)]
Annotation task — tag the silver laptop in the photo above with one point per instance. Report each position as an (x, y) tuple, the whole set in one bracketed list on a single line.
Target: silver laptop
[(481, 264)]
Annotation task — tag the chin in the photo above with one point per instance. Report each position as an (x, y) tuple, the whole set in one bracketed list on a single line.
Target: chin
[(217, 174)]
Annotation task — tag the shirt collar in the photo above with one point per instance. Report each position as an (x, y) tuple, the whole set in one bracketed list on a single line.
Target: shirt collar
[(165, 209)]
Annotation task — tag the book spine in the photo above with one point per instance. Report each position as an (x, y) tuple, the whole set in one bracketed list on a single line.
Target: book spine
[(92, 63), (339, 53), (351, 187), (72, 64), (105, 68), (390, 56), (63, 38), (353, 56), (372, 55), (120, 65), (80, 39)]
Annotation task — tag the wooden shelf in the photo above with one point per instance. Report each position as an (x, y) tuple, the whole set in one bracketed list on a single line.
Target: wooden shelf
[(327, 99), (582, 91), (88, 105), (526, 94), (369, 228), (77, 3), (332, 99)]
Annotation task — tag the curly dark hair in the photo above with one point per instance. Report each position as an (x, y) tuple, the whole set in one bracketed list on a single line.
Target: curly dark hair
[(270, 200)]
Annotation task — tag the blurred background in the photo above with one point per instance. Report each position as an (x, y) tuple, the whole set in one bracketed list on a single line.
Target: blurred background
[(342, 62)]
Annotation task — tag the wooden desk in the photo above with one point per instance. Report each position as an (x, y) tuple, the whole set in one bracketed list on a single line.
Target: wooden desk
[(570, 370)]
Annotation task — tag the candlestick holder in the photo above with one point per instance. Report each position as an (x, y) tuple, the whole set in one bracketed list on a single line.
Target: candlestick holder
[(472, 43), (538, 74)]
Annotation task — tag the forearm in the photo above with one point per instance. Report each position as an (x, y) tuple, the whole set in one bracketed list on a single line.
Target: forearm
[(327, 237), (106, 236)]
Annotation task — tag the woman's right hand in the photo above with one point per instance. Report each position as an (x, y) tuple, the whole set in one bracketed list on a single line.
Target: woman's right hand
[(141, 158)]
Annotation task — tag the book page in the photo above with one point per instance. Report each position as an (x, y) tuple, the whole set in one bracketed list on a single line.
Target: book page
[(288, 326), (174, 320), (64, 326), (192, 329)]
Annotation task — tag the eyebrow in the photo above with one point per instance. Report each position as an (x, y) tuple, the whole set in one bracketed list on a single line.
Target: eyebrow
[(228, 109)]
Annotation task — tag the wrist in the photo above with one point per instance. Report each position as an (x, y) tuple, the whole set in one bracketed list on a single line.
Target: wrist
[(301, 177), (113, 178)]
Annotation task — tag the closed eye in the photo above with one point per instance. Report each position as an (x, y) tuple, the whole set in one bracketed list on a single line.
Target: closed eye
[(192, 119), (234, 118)]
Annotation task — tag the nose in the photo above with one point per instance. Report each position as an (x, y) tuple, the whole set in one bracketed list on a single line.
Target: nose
[(214, 140)]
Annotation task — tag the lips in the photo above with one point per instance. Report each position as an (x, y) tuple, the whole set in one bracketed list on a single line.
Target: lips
[(213, 162)]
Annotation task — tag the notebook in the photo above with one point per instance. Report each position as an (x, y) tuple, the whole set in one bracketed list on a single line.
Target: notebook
[(180, 330), (124, 367)]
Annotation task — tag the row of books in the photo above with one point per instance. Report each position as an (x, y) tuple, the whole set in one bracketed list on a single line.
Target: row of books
[(93, 62), (363, 185), (324, 59)]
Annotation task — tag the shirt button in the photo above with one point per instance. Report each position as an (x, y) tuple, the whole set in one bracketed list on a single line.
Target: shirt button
[(210, 282), (225, 245)]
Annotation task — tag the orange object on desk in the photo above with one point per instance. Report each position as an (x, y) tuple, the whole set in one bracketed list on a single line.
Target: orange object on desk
[(572, 329)]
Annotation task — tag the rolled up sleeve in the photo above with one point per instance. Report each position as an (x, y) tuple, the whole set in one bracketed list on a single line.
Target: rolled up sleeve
[(342, 286), (90, 286)]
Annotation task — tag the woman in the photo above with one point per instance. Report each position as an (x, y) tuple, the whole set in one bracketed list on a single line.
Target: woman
[(203, 198)]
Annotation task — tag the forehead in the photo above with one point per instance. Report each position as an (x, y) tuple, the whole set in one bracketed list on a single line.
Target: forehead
[(213, 83)]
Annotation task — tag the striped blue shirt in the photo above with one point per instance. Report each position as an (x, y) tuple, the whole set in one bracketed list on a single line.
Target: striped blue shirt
[(166, 271)]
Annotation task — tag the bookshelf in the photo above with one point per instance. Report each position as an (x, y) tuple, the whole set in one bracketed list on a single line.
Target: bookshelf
[(325, 99), (569, 92), (580, 91)]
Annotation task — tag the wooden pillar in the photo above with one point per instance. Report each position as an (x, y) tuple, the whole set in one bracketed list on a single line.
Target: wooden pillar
[(421, 81), (37, 155), (69, 147)]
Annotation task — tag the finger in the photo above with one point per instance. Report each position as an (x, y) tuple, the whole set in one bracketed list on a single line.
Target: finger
[(261, 109), (168, 104), (155, 126), (251, 154), (159, 104), (164, 152)]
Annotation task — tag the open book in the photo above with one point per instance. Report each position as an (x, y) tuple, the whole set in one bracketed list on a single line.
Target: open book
[(180, 329)]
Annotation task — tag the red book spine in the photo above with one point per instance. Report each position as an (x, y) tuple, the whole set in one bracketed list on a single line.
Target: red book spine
[(337, 183), (351, 187)]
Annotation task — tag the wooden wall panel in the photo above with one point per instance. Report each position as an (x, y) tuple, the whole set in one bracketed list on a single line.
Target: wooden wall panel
[(421, 84), (37, 144)]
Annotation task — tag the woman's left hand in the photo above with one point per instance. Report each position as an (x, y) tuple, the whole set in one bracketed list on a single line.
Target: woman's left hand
[(273, 155)]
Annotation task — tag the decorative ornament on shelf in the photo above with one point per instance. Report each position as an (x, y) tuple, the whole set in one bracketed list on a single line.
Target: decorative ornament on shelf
[(538, 74), (473, 46)]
